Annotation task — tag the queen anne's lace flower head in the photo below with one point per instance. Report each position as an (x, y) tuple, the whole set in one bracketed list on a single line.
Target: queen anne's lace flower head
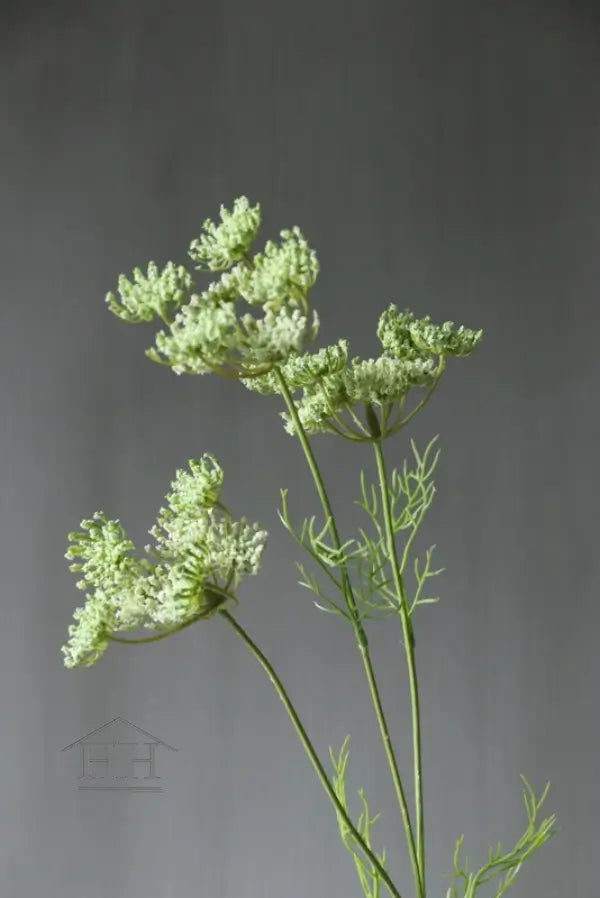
[(302, 371), (283, 273), (151, 294), (199, 557), (210, 336), (404, 336), (221, 245), (336, 390), (208, 332)]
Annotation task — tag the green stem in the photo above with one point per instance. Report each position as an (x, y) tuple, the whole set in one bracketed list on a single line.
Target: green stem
[(421, 405), (393, 765), (361, 635), (144, 639), (409, 645), (310, 750)]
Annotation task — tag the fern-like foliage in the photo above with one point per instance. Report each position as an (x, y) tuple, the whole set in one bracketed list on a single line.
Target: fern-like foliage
[(503, 866), (369, 877)]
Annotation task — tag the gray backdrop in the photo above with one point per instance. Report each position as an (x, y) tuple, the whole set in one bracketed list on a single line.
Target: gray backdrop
[(440, 155)]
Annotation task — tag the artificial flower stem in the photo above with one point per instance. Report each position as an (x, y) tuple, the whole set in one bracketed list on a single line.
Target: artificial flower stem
[(421, 405), (393, 765), (310, 749), (409, 646), (361, 635), (144, 639)]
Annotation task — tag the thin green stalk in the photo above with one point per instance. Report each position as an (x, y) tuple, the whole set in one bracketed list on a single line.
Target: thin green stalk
[(409, 645), (393, 765), (155, 638), (310, 749), (421, 405), (361, 635)]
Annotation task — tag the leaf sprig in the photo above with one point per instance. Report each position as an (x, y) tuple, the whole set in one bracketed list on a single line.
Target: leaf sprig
[(505, 865), (369, 877), (411, 493)]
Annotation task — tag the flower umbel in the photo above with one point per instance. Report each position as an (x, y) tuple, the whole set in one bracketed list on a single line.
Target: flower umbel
[(199, 559), (336, 389), (221, 245), (403, 336), (207, 332), (148, 295), (283, 273), (209, 336)]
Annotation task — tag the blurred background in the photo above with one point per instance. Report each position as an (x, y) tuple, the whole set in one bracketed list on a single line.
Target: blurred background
[(443, 156)]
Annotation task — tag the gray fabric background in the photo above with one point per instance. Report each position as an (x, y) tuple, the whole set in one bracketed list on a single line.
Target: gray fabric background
[(440, 155)]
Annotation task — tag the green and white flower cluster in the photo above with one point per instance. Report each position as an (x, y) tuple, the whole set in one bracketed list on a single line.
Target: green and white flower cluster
[(151, 294), (360, 399), (199, 557), (221, 245), (207, 331), (403, 336), (335, 388)]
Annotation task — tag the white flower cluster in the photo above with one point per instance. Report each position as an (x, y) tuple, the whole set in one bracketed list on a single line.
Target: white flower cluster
[(209, 336), (380, 382), (148, 295), (333, 385), (221, 245), (404, 336), (209, 333), (283, 273), (200, 557), (303, 370)]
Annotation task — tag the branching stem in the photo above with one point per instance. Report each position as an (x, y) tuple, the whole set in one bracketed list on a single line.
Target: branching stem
[(361, 635)]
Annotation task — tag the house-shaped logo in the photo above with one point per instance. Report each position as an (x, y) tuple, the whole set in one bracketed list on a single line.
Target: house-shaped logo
[(119, 755)]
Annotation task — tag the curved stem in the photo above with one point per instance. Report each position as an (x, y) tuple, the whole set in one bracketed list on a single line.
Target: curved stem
[(421, 405), (144, 639), (409, 644), (361, 635), (310, 750)]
